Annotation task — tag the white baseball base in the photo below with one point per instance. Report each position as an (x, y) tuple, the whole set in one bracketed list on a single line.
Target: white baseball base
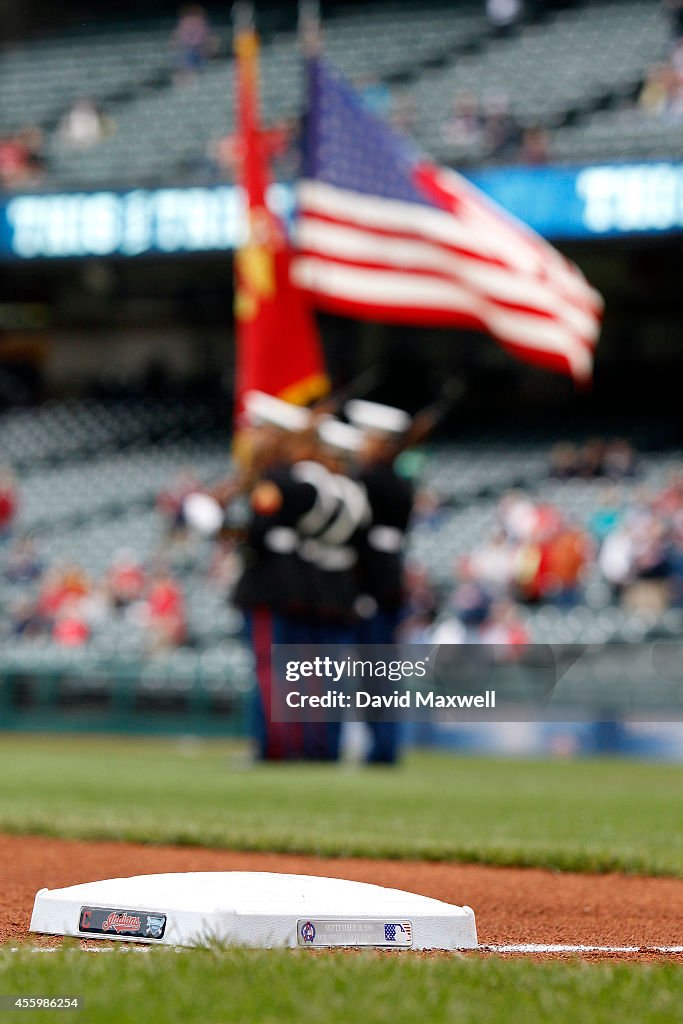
[(252, 909)]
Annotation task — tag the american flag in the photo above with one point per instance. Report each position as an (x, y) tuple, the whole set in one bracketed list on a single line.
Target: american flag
[(383, 234)]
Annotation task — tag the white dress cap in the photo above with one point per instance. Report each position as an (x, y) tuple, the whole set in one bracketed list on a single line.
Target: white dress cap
[(264, 409), (340, 436), (375, 418)]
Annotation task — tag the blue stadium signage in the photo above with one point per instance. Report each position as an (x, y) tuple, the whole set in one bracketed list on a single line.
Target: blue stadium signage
[(591, 201), (135, 223), (560, 202)]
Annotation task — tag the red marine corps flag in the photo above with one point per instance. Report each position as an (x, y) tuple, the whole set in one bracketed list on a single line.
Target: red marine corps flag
[(278, 348)]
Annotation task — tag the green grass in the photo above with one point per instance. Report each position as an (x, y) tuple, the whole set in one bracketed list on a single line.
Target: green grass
[(278, 987), (573, 815)]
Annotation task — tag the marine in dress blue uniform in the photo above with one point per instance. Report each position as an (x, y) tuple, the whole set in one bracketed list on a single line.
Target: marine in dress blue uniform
[(273, 590), (390, 499)]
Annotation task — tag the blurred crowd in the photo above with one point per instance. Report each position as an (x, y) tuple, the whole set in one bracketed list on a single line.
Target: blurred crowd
[(477, 126), (662, 92), (24, 155), (631, 541), (223, 155), (84, 124), (193, 43), (22, 158), (538, 553), (487, 126), (62, 601), (70, 607), (661, 95)]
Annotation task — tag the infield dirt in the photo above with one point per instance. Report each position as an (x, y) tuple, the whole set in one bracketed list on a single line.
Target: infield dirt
[(512, 905)]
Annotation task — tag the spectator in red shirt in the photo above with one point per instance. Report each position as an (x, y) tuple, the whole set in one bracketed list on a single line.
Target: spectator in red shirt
[(62, 584), (71, 627), (165, 612), (8, 502), (126, 580), (22, 161)]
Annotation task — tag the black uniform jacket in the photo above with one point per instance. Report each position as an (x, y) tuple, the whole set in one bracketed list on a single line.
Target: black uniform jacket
[(381, 562)]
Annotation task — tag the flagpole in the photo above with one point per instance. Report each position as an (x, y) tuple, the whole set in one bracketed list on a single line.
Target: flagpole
[(277, 345), (309, 30), (250, 183), (242, 16)]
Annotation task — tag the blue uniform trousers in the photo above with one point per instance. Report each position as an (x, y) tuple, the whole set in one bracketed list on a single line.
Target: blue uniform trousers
[(386, 736)]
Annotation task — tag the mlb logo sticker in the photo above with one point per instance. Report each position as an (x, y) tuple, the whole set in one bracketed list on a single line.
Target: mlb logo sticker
[(399, 932)]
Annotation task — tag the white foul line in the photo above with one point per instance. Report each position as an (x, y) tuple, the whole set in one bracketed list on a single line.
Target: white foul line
[(124, 947), (513, 947), (541, 947)]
